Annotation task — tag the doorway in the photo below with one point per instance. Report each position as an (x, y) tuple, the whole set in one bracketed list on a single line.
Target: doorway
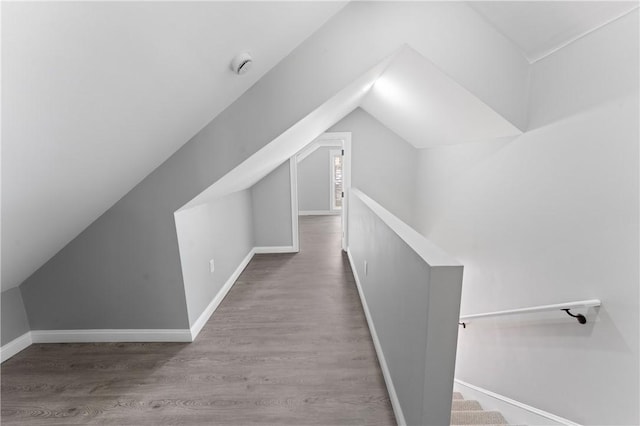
[(322, 179)]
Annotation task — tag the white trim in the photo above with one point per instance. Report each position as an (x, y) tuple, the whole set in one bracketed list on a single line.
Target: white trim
[(393, 396), (15, 346), (346, 186), (541, 55), (315, 145), (318, 212), (111, 335), (514, 411), (210, 309), (275, 249), (293, 179)]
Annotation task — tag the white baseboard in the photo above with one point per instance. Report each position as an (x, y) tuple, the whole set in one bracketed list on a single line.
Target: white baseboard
[(319, 212), (16, 345), (110, 335), (393, 396), (204, 317), (514, 412), (134, 335), (275, 249)]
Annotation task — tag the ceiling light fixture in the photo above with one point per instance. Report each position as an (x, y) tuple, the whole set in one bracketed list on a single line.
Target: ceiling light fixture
[(241, 63)]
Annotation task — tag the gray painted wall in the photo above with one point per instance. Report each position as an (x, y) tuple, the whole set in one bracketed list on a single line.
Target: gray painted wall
[(414, 308), (314, 185), (383, 165), (14, 317), (124, 270), (271, 199), (221, 230)]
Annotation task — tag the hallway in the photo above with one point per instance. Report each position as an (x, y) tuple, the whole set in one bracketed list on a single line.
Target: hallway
[(288, 345)]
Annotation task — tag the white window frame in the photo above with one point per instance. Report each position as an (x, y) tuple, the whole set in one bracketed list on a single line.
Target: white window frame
[(332, 199)]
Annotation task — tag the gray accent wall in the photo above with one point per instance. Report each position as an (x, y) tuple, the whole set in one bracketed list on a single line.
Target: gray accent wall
[(221, 230), (383, 165), (271, 200), (124, 271), (314, 181), (14, 317), (414, 308)]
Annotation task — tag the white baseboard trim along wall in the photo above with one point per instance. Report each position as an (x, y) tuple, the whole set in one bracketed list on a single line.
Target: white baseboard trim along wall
[(514, 411), (110, 335), (282, 249), (204, 317), (135, 335), (92, 336), (318, 213), (16, 345), (393, 396)]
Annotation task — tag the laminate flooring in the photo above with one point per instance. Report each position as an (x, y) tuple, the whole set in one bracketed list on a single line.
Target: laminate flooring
[(289, 345)]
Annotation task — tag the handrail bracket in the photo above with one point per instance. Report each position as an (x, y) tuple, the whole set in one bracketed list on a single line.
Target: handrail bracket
[(581, 318)]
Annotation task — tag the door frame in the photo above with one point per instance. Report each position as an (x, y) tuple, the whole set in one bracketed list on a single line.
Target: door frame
[(336, 139)]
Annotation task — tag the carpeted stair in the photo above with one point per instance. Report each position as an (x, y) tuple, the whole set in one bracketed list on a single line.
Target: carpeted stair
[(468, 412)]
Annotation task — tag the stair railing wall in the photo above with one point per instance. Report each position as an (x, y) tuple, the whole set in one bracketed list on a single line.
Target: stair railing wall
[(410, 291)]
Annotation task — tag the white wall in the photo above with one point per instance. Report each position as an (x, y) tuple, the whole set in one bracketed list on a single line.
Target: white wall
[(314, 184), (383, 165), (271, 200), (221, 230), (551, 216)]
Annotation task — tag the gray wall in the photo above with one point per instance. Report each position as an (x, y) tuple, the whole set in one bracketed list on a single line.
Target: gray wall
[(124, 270), (549, 217), (383, 165), (314, 184), (271, 199), (221, 230), (414, 308), (14, 317)]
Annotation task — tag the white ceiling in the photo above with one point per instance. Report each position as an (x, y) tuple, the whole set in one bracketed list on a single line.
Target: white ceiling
[(539, 28), (96, 95), (427, 108)]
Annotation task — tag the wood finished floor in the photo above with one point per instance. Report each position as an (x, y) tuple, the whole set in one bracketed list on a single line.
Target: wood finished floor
[(289, 345)]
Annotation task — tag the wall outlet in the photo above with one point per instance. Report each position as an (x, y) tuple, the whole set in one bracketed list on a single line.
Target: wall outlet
[(212, 266), (366, 268)]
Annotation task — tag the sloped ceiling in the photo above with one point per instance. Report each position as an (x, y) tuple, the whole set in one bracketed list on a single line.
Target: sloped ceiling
[(539, 28), (96, 95), (405, 92), (427, 108)]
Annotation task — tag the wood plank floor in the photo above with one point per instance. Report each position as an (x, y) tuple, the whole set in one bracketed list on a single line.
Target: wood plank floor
[(288, 345)]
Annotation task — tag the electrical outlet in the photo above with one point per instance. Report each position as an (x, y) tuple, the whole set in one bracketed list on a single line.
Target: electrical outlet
[(211, 266), (366, 267)]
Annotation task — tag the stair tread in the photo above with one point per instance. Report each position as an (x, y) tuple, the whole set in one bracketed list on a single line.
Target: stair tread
[(465, 404), (477, 417)]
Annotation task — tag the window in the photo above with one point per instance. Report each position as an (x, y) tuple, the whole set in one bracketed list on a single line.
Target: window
[(335, 160)]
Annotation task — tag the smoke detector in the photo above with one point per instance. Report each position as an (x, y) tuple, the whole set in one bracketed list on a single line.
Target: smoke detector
[(241, 63)]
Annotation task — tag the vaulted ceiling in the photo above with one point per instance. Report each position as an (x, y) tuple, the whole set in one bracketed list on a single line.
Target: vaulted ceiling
[(539, 28), (96, 95)]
